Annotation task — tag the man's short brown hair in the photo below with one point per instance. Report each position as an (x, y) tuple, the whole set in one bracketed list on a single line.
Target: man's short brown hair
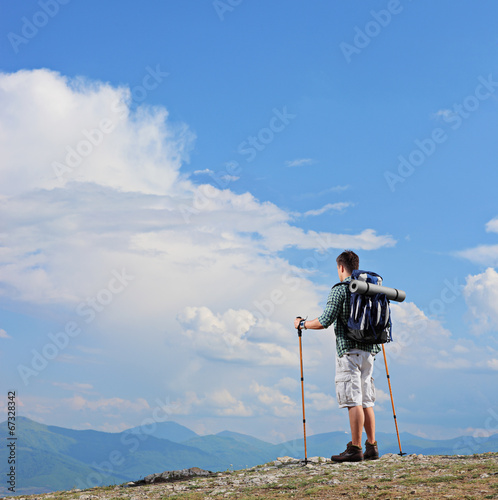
[(349, 260)]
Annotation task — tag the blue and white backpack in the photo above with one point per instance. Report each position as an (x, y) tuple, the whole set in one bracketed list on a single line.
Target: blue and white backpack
[(370, 318)]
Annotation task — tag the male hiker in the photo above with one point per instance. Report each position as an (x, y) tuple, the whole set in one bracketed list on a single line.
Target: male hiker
[(354, 365)]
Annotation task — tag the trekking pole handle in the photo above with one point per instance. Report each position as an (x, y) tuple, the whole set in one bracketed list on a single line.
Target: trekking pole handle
[(299, 331)]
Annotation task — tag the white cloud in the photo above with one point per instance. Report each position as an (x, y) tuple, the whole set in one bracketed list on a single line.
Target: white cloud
[(444, 113), (481, 296), (299, 162), (477, 433), (493, 364), (424, 343), (484, 255), (285, 236), (416, 337), (453, 364), (205, 171), (75, 387), (257, 399), (287, 384), (126, 198), (187, 404), (227, 337), (100, 413), (229, 178), (337, 207), (107, 404), (3, 334), (320, 401), (278, 403), (87, 127), (227, 405), (381, 396), (492, 225)]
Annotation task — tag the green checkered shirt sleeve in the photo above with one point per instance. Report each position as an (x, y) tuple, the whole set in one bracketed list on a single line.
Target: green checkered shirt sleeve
[(337, 312)]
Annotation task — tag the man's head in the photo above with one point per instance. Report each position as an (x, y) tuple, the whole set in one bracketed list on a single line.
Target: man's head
[(347, 262)]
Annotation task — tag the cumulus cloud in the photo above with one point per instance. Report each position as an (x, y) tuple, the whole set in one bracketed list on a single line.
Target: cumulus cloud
[(481, 295), (227, 405), (422, 341), (125, 201), (90, 187), (227, 337), (288, 384), (82, 130), (320, 401), (274, 400), (492, 225), (416, 336)]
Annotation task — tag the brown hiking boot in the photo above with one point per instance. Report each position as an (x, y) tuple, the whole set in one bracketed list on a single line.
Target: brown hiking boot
[(352, 454), (371, 451)]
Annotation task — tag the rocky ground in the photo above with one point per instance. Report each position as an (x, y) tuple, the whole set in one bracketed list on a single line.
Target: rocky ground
[(390, 477)]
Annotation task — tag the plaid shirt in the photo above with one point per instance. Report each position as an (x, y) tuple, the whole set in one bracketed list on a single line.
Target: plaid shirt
[(337, 311)]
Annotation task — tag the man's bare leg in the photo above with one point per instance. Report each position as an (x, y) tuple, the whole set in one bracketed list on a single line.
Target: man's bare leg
[(356, 421), (369, 423)]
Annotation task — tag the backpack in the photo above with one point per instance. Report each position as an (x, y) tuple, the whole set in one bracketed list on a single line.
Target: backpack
[(370, 318)]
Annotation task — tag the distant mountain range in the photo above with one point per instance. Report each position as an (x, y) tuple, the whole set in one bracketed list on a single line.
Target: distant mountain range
[(50, 458)]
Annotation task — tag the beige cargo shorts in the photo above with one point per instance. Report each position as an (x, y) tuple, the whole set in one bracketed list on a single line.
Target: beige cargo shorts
[(354, 383)]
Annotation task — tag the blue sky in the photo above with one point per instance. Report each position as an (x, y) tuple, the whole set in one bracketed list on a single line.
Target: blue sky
[(176, 181)]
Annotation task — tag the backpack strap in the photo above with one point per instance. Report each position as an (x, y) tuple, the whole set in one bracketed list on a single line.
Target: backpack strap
[(338, 284)]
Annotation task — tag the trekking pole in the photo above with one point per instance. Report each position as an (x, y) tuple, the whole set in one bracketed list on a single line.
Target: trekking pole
[(392, 401), (299, 333)]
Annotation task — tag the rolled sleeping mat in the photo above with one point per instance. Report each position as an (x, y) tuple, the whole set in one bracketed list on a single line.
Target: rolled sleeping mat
[(364, 288)]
